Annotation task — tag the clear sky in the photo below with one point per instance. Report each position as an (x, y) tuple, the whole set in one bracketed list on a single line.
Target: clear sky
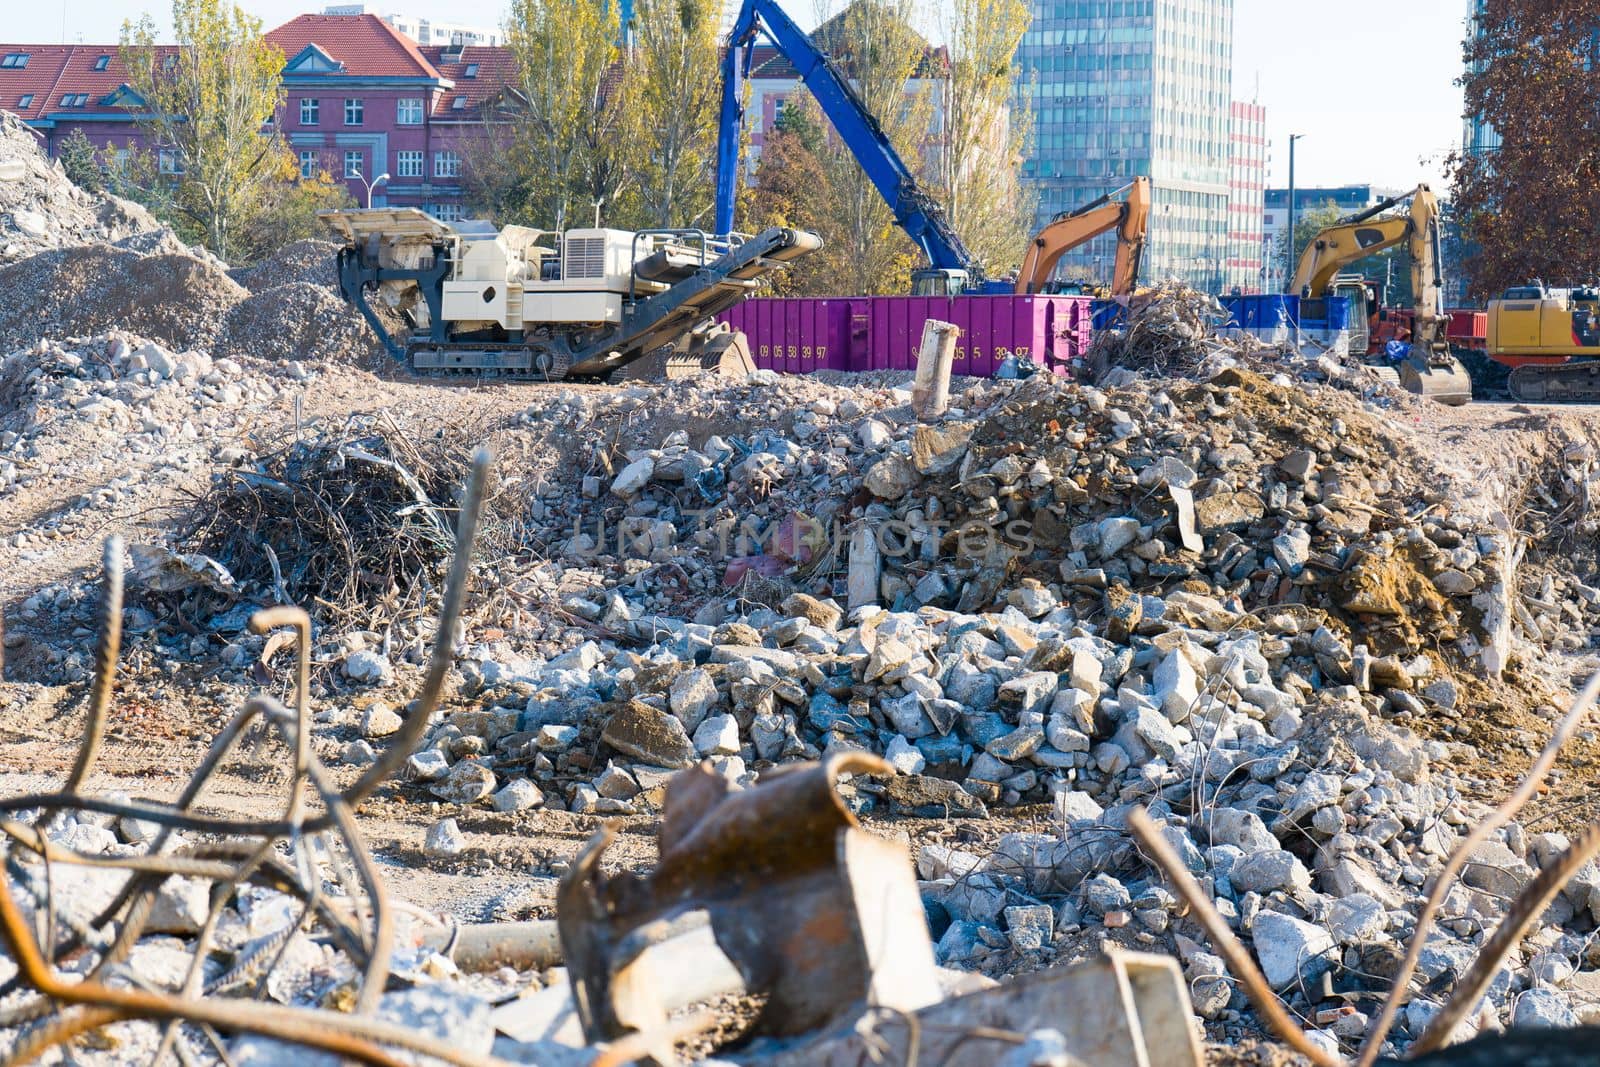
[(1371, 83)]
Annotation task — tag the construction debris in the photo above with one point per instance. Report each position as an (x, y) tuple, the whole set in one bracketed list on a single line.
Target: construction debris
[(1313, 629), (40, 209)]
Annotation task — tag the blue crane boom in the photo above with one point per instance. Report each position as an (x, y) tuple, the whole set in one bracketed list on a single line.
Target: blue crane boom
[(951, 267)]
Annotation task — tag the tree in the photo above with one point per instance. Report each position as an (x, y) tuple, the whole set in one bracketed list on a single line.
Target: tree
[(885, 58), (212, 103), (983, 130), (679, 90), (791, 189), (570, 148), (80, 162), (1531, 208), (287, 209)]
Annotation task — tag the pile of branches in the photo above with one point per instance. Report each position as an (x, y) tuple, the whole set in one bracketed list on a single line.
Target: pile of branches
[(70, 982), (1170, 331), (344, 520)]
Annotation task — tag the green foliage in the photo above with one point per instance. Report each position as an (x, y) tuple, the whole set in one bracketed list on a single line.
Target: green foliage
[(287, 209), (983, 133), (1310, 220), (676, 90), (213, 102), (80, 162), (570, 144), (802, 124)]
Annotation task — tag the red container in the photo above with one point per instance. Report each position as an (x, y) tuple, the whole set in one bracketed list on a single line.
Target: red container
[(1468, 328), (802, 334)]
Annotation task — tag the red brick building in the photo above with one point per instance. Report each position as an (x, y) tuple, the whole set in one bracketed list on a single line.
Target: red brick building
[(360, 100)]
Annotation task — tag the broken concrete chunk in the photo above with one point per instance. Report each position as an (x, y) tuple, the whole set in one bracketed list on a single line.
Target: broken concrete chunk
[(649, 734)]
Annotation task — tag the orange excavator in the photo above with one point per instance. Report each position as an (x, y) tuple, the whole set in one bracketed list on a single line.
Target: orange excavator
[(1129, 216)]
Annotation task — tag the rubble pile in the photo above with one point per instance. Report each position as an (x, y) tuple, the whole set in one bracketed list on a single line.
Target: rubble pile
[(308, 260), (1230, 601), (41, 209), (71, 411), (97, 288), (297, 321), (1170, 331), (1227, 588)]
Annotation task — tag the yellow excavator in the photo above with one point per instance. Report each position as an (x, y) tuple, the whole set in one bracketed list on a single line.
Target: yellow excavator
[(1130, 217), (1550, 338), (1429, 369)]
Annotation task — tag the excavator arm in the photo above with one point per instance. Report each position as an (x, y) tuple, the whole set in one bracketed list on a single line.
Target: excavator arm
[(951, 266), (1430, 370), (1130, 218)]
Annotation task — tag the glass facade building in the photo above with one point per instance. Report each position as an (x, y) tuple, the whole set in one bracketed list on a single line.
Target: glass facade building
[(1479, 136), (1119, 88)]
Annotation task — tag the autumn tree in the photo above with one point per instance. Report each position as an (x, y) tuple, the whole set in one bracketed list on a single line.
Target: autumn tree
[(212, 104), (1531, 208), (287, 209), (679, 91), (791, 189), (894, 73), (983, 126), (570, 149)]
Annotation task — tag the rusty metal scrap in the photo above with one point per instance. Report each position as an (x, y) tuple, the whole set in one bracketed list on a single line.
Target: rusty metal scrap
[(774, 890), (360, 922)]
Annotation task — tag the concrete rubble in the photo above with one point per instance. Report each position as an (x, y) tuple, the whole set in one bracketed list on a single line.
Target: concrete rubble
[(1241, 594)]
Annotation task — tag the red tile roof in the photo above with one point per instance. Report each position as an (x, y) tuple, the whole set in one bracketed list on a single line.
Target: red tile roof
[(55, 71), (365, 44), (496, 68)]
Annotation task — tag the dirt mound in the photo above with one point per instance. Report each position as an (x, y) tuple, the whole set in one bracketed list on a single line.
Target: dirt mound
[(297, 321), (299, 261), (40, 208), (175, 299)]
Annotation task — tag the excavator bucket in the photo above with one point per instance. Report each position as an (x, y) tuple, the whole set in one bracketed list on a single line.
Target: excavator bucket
[(1443, 382), (725, 354)]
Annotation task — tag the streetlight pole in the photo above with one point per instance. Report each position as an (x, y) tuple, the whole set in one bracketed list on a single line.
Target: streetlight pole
[(1289, 272), (374, 183)]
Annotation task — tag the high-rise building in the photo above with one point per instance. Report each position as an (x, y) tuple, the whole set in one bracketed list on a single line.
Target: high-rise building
[(424, 31), (1120, 88), (1479, 136), (1247, 184)]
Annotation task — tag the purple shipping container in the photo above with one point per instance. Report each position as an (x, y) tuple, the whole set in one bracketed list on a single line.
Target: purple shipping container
[(803, 334)]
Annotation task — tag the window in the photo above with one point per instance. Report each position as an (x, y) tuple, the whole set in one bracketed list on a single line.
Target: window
[(308, 164), (354, 159), (444, 212), (25, 101), (408, 112), (15, 60), (777, 110), (446, 164), (169, 161), (354, 113), (408, 164), (310, 112), (74, 99), (459, 103), (119, 160), (470, 72), (102, 62)]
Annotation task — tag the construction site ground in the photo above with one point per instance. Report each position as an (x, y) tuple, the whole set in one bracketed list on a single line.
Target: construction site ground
[(162, 724)]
